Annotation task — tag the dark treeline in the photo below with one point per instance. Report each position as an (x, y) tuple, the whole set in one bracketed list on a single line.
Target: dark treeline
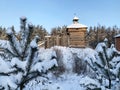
[(98, 33), (94, 35), (3, 33), (58, 30), (38, 30)]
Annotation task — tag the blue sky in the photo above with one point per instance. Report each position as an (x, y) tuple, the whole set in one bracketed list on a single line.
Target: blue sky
[(53, 13)]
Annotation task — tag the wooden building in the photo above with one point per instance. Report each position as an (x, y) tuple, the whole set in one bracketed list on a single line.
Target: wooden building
[(74, 36), (76, 33), (56, 40), (117, 42)]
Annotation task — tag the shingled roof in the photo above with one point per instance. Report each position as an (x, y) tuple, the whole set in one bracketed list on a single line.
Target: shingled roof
[(76, 24)]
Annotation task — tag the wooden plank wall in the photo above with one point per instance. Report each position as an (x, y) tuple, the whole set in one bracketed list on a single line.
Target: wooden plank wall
[(76, 38), (117, 43)]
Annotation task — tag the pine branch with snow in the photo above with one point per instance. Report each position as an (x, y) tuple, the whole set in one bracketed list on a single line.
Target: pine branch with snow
[(24, 63), (106, 64)]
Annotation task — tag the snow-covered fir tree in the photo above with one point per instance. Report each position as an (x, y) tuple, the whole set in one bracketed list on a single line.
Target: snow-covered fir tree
[(106, 64), (21, 62)]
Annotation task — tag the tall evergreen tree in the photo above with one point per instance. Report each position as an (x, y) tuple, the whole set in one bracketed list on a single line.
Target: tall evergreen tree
[(106, 64), (24, 63)]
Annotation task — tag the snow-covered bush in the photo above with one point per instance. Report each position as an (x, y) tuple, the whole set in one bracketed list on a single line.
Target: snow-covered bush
[(71, 60), (89, 83), (59, 57), (24, 64), (80, 67), (106, 64)]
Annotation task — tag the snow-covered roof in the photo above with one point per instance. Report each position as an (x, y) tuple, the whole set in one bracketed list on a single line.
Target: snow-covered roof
[(77, 25), (47, 36), (75, 18), (105, 40), (117, 35), (23, 18)]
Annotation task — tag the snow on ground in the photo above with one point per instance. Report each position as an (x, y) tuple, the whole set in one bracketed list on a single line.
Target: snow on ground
[(64, 82), (4, 43), (68, 80)]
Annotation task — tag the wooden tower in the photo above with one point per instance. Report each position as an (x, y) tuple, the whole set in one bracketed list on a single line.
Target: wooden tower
[(117, 42), (76, 33)]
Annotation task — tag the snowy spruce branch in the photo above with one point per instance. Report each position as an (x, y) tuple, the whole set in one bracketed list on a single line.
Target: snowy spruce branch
[(106, 65), (24, 64)]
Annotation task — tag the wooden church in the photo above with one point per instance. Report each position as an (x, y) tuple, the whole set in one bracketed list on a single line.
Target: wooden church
[(76, 33), (73, 37)]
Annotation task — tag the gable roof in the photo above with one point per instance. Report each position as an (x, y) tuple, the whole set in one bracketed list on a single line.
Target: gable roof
[(77, 25), (117, 36)]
